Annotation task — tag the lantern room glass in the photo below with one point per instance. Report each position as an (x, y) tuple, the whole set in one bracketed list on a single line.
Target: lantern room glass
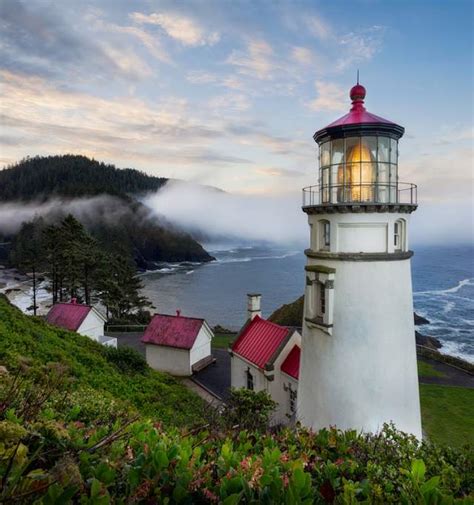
[(359, 169)]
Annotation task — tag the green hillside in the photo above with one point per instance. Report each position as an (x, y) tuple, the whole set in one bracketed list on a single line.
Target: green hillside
[(290, 314), (93, 368), (83, 424)]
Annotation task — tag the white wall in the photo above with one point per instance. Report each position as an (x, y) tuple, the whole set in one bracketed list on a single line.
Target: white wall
[(202, 345), (168, 359), (238, 374), (365, 373), (364, 232), (92, 326)]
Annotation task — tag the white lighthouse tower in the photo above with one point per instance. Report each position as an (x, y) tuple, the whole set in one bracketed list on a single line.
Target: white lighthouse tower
[(358, 364)]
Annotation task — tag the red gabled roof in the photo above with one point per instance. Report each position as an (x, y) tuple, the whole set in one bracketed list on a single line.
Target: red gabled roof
[(291, 365), (259, 340), (68, 315), (172, 331)]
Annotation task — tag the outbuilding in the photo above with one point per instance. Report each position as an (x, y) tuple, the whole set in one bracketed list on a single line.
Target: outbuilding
[(81, 318), (266, 356), (177, 344)]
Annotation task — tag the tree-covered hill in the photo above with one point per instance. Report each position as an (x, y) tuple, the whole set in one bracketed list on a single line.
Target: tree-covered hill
[(41, 178), (80, 423), (105, 200)]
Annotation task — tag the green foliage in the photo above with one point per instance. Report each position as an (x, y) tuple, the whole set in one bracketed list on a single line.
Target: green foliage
[(126, 359), (290, 314), (78, 268), (69, 435), (149, 392), (247, 409)]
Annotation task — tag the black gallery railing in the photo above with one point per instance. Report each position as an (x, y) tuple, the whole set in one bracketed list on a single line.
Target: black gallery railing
[(371, 193)]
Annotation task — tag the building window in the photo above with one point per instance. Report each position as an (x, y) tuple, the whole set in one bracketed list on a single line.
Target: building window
[(322, 299), (249, 380), (324, 235), (293, 396), (398, 235)]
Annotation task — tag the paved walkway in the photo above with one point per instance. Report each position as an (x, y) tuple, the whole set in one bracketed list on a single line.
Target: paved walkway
[(452, 376), (216, 377)]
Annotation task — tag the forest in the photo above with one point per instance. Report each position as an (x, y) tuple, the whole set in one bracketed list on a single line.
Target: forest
[(111, 209), (77, 267)]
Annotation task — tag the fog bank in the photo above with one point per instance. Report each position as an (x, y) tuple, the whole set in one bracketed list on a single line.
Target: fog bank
[(219, 215)]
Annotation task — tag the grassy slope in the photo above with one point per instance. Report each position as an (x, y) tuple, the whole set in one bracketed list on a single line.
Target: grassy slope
[(222, 340), (151, 393), (428, 370), (448, 413)]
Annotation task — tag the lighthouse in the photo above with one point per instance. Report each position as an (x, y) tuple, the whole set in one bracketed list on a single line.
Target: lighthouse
[(358, 365)]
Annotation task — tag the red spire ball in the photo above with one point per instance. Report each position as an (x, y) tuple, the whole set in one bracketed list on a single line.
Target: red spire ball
[(357, 92)]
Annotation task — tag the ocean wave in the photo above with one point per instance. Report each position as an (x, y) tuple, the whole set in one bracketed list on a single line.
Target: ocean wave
[(246, 259), (458, 349), (189, 272), (455, 289), (448, 307)]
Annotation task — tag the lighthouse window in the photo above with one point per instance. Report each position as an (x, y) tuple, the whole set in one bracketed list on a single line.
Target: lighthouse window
[(398, 238), (249, 380), (324, 235), (322, 299)]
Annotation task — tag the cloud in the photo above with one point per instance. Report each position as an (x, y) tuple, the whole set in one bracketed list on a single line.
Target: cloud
[(256, 218), (230, 102), (184, 29), (108, 209), (360, 46), (39, 118), (319, 28), (330, 97), (38, 39), (257, 61), (151, 42)]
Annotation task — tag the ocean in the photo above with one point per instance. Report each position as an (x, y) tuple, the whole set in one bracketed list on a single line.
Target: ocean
[(443, 288)]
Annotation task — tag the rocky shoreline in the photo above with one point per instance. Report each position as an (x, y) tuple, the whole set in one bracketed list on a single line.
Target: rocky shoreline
[(425, 340)]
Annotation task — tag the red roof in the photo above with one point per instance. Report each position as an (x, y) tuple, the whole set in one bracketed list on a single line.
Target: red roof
[(291, 365), (172, 331), (259, 340), (358, 114), (68, 315)]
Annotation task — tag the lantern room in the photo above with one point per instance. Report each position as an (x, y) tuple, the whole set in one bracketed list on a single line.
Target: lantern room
[(358, 160)]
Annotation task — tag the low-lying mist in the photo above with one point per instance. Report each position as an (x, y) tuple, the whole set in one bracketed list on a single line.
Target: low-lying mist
[(104, 208), (215, 215)]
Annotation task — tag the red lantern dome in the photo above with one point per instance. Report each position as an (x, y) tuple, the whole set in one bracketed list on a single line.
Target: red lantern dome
[(358, 118)]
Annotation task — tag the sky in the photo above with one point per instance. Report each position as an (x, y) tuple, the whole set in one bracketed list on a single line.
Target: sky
[(229, 93)]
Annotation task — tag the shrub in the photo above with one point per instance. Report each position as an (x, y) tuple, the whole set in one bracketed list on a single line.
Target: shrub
[(247, 409), (126, 359)]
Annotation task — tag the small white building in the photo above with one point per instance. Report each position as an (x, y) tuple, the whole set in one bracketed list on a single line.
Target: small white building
[(83, 319), (178, 345), (266, 356)]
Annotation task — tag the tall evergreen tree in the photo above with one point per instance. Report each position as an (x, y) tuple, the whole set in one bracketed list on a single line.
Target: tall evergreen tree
[(28, 253)]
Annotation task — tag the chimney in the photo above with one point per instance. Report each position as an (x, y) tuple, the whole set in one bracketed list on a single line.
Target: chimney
[(74, 301), (178, 312), (254, 305)]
